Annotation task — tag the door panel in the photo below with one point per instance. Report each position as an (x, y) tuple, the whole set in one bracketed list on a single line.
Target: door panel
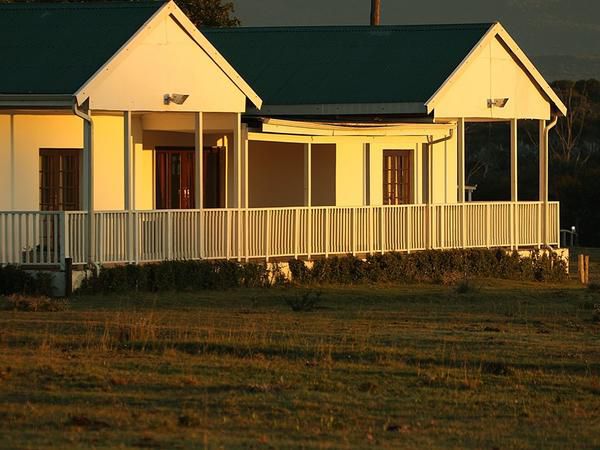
[(175, 179), (212, 176), (397, 177)]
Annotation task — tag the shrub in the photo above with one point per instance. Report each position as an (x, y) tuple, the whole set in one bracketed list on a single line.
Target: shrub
[(14, 280), (466, 286), (300, 273), (438, 266), (304, 301), (594, 287), (177, 276)]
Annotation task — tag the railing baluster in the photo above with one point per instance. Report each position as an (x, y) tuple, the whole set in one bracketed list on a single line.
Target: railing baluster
[(267, 233)]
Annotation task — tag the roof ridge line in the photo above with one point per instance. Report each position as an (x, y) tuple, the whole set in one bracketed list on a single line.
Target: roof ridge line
[(340, 28), (81, 5)]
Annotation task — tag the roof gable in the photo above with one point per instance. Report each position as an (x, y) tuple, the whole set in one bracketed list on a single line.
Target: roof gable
[(346, 65), (53, 48), (496, 68), (177, 57), (162, 59)]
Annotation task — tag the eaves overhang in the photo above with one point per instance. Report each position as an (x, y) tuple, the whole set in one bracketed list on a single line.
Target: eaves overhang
[(19, 101), (338, 109)]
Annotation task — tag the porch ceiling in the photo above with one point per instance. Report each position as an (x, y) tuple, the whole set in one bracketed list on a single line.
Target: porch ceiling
[(185, 122), (290, 127)]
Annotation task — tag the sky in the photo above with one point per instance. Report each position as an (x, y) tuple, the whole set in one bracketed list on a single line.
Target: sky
[(553, 31)]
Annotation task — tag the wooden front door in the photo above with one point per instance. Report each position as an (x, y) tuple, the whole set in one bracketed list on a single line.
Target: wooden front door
[(397, 177), (175, 179)]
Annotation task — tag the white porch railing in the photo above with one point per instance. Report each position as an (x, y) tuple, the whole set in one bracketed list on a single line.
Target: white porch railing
[(31, 237), (46, 238)]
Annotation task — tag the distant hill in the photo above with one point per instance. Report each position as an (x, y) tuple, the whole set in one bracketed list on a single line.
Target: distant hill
[(562, 67)]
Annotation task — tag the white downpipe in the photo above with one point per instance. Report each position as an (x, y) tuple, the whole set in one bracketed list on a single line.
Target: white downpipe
[(89, 174), (429, 200), (547, 129)]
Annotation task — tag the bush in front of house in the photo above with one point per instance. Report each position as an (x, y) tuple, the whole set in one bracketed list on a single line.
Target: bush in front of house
[(435, 266), (14, 280), (177, 276)]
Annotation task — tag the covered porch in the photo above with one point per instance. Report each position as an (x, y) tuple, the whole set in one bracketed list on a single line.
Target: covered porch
[(239, 218)]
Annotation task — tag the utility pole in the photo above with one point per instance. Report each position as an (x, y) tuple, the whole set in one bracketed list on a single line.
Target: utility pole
[(375, 12)]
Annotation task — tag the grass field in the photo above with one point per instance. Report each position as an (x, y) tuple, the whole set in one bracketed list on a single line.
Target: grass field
[(505, 365)]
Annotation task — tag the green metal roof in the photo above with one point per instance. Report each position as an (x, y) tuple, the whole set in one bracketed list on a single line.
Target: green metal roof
[(53, 48), (346, 65)]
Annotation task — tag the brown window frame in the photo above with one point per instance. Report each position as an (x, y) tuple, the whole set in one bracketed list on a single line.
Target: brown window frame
[(60, 179), (398, 180)]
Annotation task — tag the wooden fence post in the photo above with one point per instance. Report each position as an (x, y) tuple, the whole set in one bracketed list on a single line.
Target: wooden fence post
[(587, 269), (583, 265)]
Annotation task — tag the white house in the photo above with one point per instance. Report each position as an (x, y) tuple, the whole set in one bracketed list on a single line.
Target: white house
[(129, 136)]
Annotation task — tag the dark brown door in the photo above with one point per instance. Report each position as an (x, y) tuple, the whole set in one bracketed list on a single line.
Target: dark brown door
[(175, 179), (397, 177), (212, 176), (60, 179)]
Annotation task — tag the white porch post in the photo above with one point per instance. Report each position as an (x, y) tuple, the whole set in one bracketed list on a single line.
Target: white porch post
[(462, 178), (12, 184), (514, 194), (514, 186), (245, 148), (199, 160), (237, 162), (461, 159), (308, 194), (199, 183), (128, 166), (543, 152), (245, 182), (307, 174), (427, 149), (237, 181), (128, 185)]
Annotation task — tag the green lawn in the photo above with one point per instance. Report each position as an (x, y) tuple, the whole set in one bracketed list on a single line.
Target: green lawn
[(506, 365)]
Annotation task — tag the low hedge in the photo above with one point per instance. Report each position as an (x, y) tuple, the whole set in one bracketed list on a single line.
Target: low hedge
[(432, 266), (177, 276), (424, 266)]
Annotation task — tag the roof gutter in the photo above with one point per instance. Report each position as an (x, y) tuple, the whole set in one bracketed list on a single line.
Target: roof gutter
[(329, 109), (35, 100), (430, 140), (551, 125)]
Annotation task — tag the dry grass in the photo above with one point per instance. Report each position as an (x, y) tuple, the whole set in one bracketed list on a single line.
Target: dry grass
[(19, 302), (505, 365)]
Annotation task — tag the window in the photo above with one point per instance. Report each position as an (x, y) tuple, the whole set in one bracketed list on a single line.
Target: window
[(397, 177), (60, 179)]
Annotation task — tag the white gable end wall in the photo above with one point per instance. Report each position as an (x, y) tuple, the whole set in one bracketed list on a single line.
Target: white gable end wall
[(493, 73), (164, 59)]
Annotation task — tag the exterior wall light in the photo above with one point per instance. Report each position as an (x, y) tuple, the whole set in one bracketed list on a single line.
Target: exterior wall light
[(497, 102), (178, 99)]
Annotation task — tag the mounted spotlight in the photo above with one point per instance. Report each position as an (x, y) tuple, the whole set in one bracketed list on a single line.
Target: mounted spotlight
[(178, 99), (497, 102)]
